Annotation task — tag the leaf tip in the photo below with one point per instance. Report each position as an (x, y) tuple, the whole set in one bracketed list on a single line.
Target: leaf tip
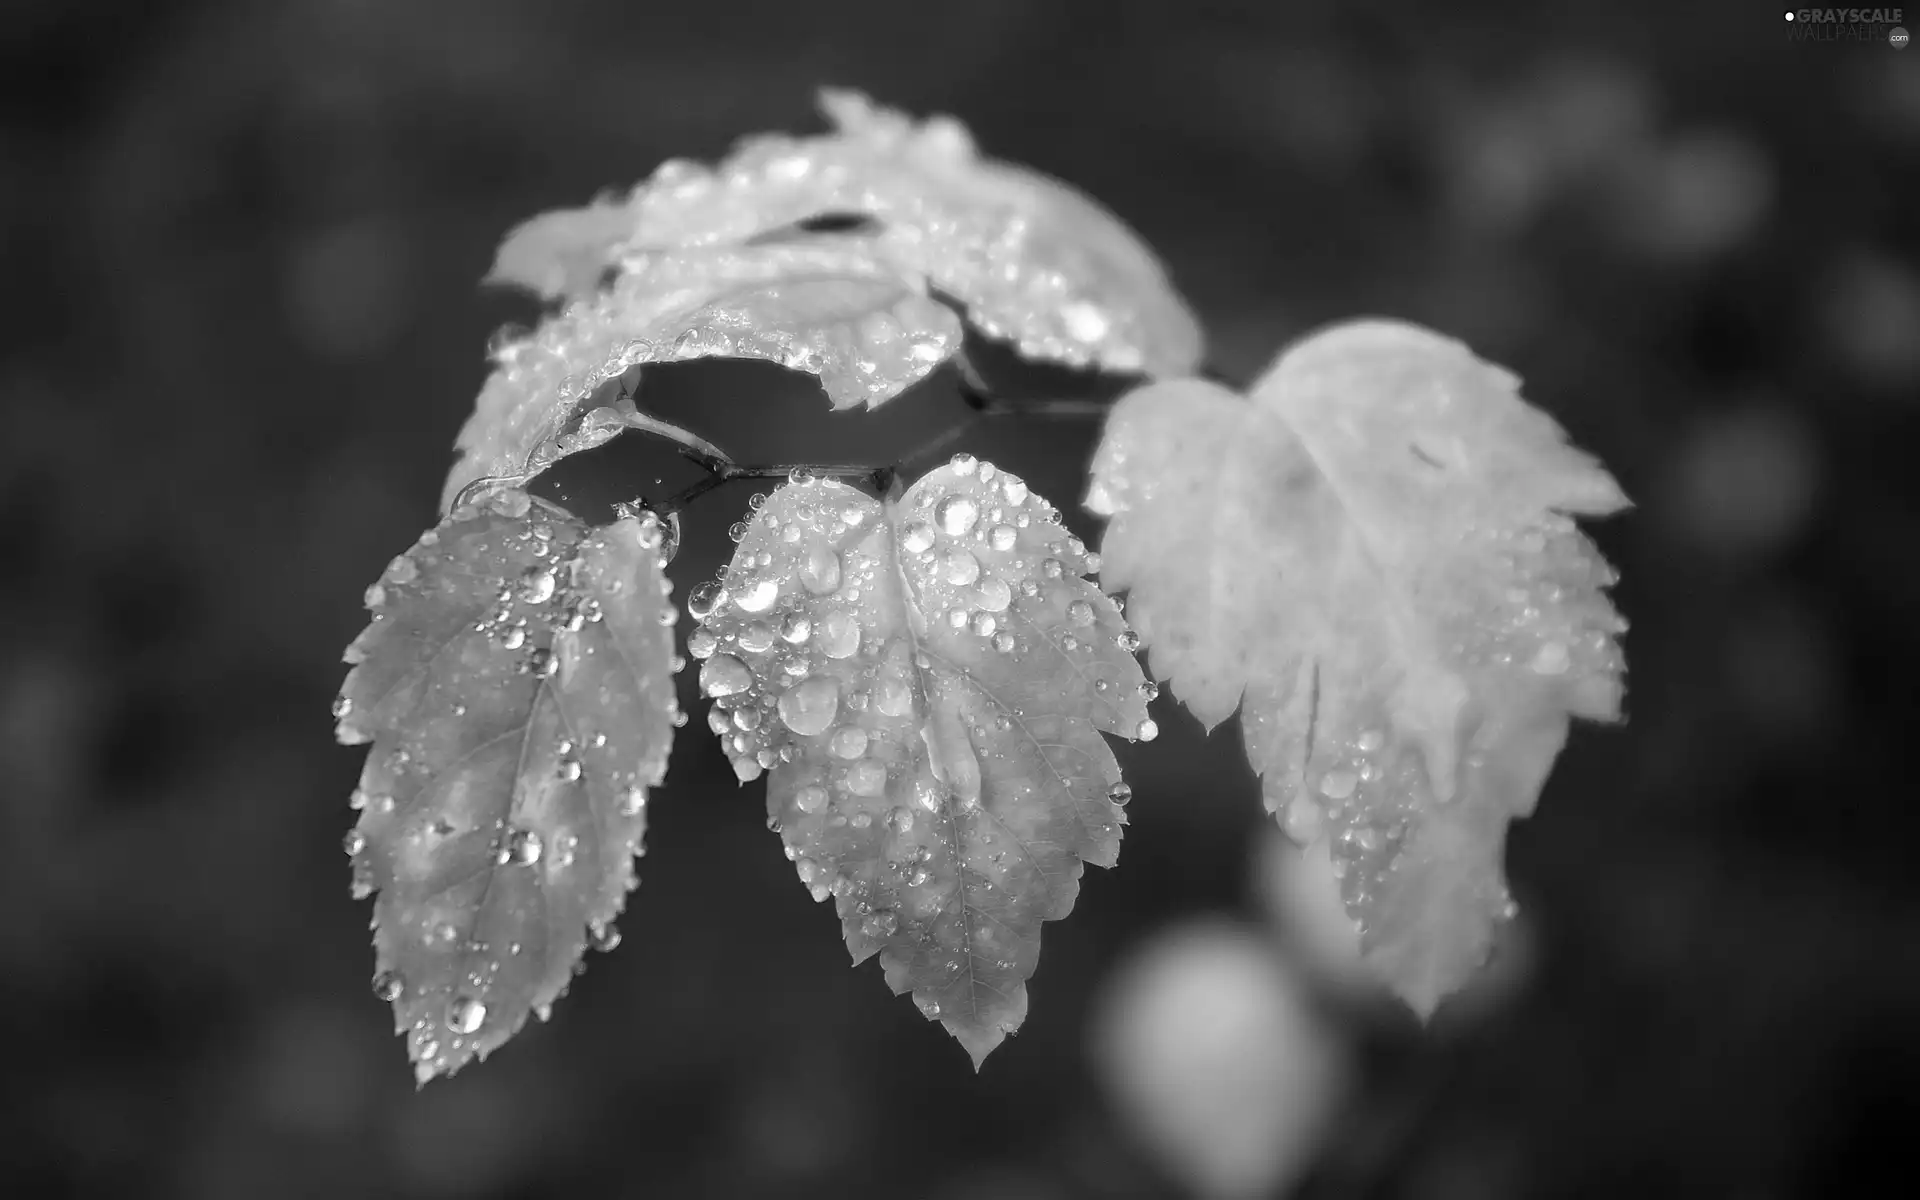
[(978, 1041)]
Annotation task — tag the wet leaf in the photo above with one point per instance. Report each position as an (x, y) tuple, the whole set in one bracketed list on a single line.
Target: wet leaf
[(517, 689), (927, 683), (1374, 559), (1033, 260), (836, 309)]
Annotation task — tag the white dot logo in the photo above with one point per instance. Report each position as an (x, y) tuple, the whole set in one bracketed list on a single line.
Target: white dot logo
[(1789, 14), (1898, 38)]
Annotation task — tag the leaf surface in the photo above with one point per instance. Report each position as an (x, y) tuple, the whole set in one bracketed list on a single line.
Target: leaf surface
[(927, 682), (517, 688), (1034, 260), (1373, 558), (831, 307)]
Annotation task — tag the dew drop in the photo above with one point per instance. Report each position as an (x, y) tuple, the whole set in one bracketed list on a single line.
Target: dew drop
[(633, 801), (758, 596), (961, 568), (465, 1014), (1149, 691), (916, 539), (514, 638), (1003, 642), (956, 515), (388, 986), (866, 778), (984, 624), (839, 635), (1014, 488), (1338, 785), (849, 741), (893, 697), (523, 847), (1127, 640), (704, 599), (963, 464), (795, 627), (957, 618), (756, 638), (1146, 731), (900, 820), (1551, 659), (746, 718), (354, 842), (1119, 793), (1003, 537), (725, 675), (1369, 741), (537, 585), (1051, 568), (811, 798), (810, 707), (701, 643), (820, 573), (603, 936), (1080, 612)]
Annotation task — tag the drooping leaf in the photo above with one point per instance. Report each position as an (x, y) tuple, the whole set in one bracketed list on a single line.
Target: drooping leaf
[(833, 308), (1035, 261), (927, 682), (516, 686), (1374, 559)]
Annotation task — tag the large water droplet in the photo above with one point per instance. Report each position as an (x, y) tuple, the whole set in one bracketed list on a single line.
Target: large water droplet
[(1338, 785), (963, 464), (1119, 793), (1127, 640), (810, 707), (993, 594), (388, 986), (811, 798), (1003, 537), (633, 801), (725, 675), (956, 514), (917, 538), (354, 842), (701, 643), (984, 624), (758, 597), (839, 635), (893, 697), (1146, 731), (537, 585), (866, 778), (1080, 612), (465, 1014), (849, 741), (522, 846), (820, 573), (795, 626), (961, 568), (603, 936), (1003, 642), (704, 598), (756, 637)]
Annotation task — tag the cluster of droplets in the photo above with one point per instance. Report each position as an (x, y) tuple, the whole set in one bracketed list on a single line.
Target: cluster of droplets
[(1550, 614)]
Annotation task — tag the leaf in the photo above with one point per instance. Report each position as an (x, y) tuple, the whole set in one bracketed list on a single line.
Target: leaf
[(1034, 260), (516, 685), (1373, 560), (925, 680), (832, 308)]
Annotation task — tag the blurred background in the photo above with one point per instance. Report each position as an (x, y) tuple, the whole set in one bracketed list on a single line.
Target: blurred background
[(242, 326)]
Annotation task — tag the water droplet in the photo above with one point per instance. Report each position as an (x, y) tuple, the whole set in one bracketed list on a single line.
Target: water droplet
[(1003, 642), (746, 770), (917, 538), (839, 635), (465, 1014), (725, 675), (1080, 612), (634, 799), (1146, 731), (1338, 785), (514, 638), (1127, 640), (388, 986), (956, 515), (820, 573), (963, 464), (746, 718), (342, 706), (810, 799), (1551, 659), (756, 638), (1091, 563), (522, 846), (704, 599), (701, 643), (893, 697), (603, 936), (354, 842), (570, 769), (1149, 691), (1119, 793), (984, 624), (537, 585), (1003, 537), (810, 707), (1369, 741), (849, 741), (758, 596), (1051, 568), (795, 626), (866, 778)]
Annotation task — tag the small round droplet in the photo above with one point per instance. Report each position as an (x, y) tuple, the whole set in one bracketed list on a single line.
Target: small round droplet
[(917, 538), (866, 778), (839, 634), (984, 624), (746, 718), (1080, 612), (1051, 568), (1003, 538), (993, 594), (758, 597), (388, 986), (704, 599), (1127, 640), (849, 741), (963, 464), (1146, 731), (1120, 793), (1149, 691), (342, 706), (603, 936), (795, 627), (893, 697), (701, 643), (961, 568), (465, 1014), (724, 675), (811, 798), (820, 573), (900, 820), (756, 638), (957, 618), (633, 801), (1338, 785), (354, 842), (1003, 642), (956, 515), (810, 707), (523, 847), (537, 585)]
